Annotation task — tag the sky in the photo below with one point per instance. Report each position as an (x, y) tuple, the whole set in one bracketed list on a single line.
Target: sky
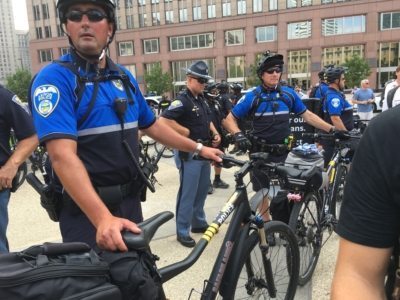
[(20, 14)]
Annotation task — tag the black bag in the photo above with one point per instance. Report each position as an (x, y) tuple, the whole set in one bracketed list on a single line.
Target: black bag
[(280, 207), (56, 271), (136, 274)]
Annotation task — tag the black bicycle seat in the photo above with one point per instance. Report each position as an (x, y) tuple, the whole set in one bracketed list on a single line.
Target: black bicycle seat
[(149, 227)]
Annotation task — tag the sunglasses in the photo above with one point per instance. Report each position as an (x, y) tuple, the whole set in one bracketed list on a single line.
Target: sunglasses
[(274, 69), (201, 80), (93, 15)]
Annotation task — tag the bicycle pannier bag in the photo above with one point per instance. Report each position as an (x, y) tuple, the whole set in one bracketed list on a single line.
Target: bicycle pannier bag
[(56, 271)]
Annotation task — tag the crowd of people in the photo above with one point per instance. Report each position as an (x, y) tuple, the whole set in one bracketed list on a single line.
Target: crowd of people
[(91, 133)]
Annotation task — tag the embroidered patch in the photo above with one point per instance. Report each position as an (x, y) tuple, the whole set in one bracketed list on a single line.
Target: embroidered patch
[(118, 84), (175, 104), (335, 102), (45, 99)]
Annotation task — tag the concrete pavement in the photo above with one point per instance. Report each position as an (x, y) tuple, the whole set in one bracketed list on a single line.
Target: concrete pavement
[(29, 224)]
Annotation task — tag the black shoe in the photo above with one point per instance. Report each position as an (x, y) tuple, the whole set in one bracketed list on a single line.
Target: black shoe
[(210, 189), (220, 184), (271, 239), (199, 229), (186, 241)]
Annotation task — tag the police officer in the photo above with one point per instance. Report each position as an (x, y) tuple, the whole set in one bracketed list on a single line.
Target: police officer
[(269, 106), (337, 110), (190, 115), (91, 130), (319, 90)]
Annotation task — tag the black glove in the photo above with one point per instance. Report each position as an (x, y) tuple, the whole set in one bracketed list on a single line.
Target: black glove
[(342, 135), (242, 141)]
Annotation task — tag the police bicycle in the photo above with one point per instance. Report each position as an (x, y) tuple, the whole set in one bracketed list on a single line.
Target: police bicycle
[(247, 266), (315, 194)]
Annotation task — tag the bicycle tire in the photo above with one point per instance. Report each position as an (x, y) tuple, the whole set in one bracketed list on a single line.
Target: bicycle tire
[(167, 152), (338, 186), (304, 221), (248, 279)]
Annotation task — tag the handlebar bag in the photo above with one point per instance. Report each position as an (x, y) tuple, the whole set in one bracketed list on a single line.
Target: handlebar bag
[(56, 271), (305, 161)]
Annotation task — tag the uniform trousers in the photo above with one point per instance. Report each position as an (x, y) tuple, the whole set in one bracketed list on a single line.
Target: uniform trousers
[(4, 199), (193, 190)]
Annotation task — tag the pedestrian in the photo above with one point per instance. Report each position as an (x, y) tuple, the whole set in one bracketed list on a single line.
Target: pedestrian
[(190, 115), (364, 98), (337, 110), (392, 92), (91, 130), (369, 223), (13, 116), (268, 106)]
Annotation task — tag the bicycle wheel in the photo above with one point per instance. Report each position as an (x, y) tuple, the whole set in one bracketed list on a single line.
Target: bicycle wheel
[(338, 189), (167, 152), (270, 273), (304, 221)]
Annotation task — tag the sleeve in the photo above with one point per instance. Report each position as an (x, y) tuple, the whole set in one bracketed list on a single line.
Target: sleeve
[(243, 107), (298, 106), (334, 105), (370, 209), (175, 110)]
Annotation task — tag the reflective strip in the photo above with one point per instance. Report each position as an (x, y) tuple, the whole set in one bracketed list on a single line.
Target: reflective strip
[(107, 129), (272, 113)]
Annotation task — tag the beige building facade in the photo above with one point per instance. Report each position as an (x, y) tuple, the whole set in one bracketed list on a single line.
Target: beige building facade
[(230, 34)]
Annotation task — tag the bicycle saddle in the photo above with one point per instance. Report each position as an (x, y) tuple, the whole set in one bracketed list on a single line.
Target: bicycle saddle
[(149, 227)]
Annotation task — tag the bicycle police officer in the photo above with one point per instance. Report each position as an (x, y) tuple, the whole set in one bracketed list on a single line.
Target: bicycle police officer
[(268, 107), (87, 111), (190, 116)]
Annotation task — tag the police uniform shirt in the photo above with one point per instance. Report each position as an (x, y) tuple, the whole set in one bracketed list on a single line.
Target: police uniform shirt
[(54, 96), (271, 118), (321, 90), (336, 105), (192, 113), (225, 103), (13, 115)]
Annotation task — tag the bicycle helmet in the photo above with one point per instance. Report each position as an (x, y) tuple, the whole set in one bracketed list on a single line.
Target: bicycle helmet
[(269, 60), (209, 91), (223, 86), (321, 74), (333, 73), (198, 69), (236, 87)]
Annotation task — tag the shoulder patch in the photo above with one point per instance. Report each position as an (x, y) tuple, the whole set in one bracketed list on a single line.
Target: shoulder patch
[(175, 104), (45, 99), (118, 84), (335, 102)]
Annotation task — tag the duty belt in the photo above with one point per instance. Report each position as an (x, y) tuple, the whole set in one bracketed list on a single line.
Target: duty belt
[(261, 145)]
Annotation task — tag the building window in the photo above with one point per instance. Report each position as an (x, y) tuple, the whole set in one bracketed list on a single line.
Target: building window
[(211, 11), (306, 2), (183, 15), (36, 12), (241, 7), (273, 5), (64, 51), (125, 48), (39, 34), (149, 67), (47, 31), (300, 30), (155, 1), (226, 8), (291, 3), (45, 10), (390, 20), (131, 69), (128, 4), (388, 60), (129, 22), (45, 55), (150, 46), (257, 5), (141, 2), (169, 17), (299, 63), (266, 34), (142, 20), (337, 55), (344, 25), (234, 37), (188, 42), (196, 13), (156, 18), (235, 67), (326, 1)]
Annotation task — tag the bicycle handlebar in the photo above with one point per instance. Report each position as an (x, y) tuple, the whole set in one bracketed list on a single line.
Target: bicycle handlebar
[(343, 136)]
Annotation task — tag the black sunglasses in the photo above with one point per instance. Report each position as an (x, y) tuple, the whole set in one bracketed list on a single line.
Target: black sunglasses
[(201, 80), (93, 15), (274, 69)]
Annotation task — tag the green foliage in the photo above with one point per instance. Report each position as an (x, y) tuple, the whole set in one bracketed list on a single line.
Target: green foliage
[(158, 81), (252, 78), (19, 83), (357, 70)]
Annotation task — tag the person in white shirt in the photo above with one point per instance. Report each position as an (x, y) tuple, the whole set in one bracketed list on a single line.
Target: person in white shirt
[(391, 85)]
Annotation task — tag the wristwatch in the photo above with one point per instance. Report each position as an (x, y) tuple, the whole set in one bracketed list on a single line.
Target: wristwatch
[(199, 146)]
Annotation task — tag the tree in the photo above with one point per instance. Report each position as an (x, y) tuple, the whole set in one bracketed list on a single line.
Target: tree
[(19, 83), (158, 81), (252, 78), (357, 70)]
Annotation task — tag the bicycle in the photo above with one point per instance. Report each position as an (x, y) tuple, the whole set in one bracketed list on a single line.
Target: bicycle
[(315, 194), (246, 265)]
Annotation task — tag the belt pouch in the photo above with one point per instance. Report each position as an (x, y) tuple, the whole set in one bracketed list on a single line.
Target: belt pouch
[(183, 155), (111, 195)]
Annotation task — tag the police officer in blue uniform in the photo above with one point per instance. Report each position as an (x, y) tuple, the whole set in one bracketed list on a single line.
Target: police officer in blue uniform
[(337, 110), (13, 116), (268, 107), (87, 111), (190, 115), (320, 89)]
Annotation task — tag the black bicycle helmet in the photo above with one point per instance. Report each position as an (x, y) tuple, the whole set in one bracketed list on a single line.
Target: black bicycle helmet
[(236, 86), (108, 5), (223, 86), (209, 91), (269, 60), (321, 74), (333, 73)]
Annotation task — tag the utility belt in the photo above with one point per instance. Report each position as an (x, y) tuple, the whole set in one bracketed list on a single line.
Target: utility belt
[(185, 155), (111, 195), (261, 145)]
